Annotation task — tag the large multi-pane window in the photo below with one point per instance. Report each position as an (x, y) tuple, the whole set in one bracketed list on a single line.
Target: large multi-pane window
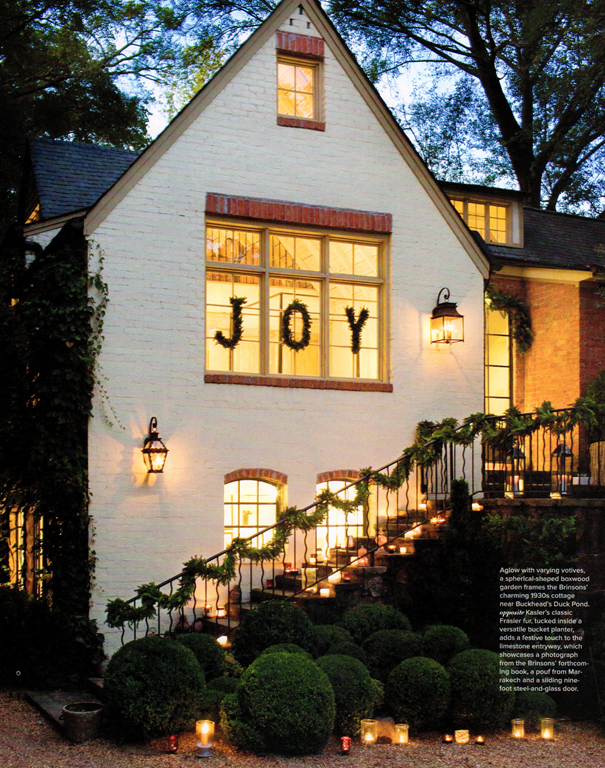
[(490, 220), (276, 286), (250, 506), (497, 362)]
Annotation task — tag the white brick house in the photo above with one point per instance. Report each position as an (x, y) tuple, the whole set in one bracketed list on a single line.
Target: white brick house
[(285, 178)]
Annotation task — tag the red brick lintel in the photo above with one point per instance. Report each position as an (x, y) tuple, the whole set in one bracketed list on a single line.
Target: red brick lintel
[(298, 213), (276, 381), (257, 474), (338, 474), (301, 45)]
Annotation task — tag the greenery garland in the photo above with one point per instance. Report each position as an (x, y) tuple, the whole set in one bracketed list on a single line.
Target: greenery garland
[(356, 326), (286, 332), (237, 324), (518, 313), (427, 448)]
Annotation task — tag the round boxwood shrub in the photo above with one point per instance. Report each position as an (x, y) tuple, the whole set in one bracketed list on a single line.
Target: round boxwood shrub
[(283, 703), (354, 691), (348, 649), (326, 635), (213, 695), (442, 642), (477, 701), (387, 648), (287, 648), (210, 655), (533, 705), (275, 621), (153, 687), (363, 620), (418, 692)]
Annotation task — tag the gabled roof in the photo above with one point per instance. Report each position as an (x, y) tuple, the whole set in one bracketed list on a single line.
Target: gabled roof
[(557, 240), (335, 43), (71, 177)]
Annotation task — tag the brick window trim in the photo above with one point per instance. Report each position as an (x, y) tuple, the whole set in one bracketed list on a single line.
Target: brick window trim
[(257, 474), (306, 46), (292, 383), (265, 209), (338, 474), (301, 122)]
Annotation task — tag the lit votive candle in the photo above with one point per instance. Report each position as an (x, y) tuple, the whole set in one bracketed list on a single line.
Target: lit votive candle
[(401, 733), (518, 728), (448, 738), (345, 744), (324, 592), (479, 740), (462, 737), (204, 730), (222, 640), (547, 728), (221, 612), (369, 731)]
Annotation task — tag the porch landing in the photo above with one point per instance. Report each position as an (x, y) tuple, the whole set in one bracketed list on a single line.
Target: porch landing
[(51, 703)]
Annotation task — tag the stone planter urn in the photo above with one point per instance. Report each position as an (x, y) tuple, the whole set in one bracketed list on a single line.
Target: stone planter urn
[(82, 720)]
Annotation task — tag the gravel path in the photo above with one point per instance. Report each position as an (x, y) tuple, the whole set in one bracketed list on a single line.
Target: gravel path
[(28, 741)]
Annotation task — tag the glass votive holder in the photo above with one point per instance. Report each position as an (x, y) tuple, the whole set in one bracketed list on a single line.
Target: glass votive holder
[(448, 738), (547, 728), (401, 733), (518, 728), (204, 730), (345, 745), (461, 737), (480, 740), (369, 731)]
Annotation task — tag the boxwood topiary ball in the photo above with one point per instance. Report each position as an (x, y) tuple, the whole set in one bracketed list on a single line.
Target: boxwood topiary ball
[(477, 701), (284, 703), (153, 687), (287, 648), (363, 620), (354, 691), (387, 648), (326, 635), (210, 655), (418, 692), (275, 621), (442, 641)]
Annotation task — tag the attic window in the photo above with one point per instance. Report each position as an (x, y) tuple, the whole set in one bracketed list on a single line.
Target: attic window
[(35, 215), (299, 81), (490, 220)]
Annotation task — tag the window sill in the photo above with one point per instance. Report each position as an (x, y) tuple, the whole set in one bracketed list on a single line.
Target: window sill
[(279, 381), (300, 122)]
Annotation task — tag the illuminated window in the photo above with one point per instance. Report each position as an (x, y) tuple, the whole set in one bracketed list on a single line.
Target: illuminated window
[(489, 220), (498, 366), (340, 530), (296, 89), (334, 277), (250, 506)]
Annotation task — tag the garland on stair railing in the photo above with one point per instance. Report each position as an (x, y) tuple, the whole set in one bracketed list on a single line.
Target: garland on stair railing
[(430, 439)]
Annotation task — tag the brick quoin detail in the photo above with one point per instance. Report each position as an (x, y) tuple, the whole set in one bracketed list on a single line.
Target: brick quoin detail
[(298, 213), (300, 122), (257, 474), (338, 474), (270, 381), (301, 45)]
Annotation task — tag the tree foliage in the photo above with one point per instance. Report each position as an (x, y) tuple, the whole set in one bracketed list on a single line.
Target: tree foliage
[(81, 70), (520, 83)]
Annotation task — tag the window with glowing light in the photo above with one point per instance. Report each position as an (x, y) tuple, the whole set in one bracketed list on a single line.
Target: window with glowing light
[(297, 89), (334, 276), (251, 505), (340, 530), (498, 362), (490, 220)]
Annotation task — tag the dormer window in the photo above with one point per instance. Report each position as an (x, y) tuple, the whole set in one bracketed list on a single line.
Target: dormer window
[(490, 220)]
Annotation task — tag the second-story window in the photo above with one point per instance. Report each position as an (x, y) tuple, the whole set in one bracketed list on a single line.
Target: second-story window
[(296, 89), (490, 220)]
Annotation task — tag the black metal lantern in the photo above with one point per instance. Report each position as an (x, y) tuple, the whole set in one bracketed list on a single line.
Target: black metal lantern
[(562, 468), (447, 324), (154, 451), (515, 472)]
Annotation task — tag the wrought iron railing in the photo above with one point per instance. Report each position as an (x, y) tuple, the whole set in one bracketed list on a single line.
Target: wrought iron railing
[(530, 455)]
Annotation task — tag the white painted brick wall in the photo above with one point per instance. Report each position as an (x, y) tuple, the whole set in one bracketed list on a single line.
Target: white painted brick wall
[(154, 357)]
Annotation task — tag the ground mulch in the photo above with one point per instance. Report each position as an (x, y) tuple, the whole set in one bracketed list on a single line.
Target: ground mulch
[(28, 741)]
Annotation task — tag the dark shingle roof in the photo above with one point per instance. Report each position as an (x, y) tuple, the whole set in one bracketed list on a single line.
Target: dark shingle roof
[(557, 240), (71, 176)]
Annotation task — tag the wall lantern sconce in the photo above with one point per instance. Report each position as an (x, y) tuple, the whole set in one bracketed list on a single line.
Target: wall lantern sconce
[(154, 451), (447, 324)]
